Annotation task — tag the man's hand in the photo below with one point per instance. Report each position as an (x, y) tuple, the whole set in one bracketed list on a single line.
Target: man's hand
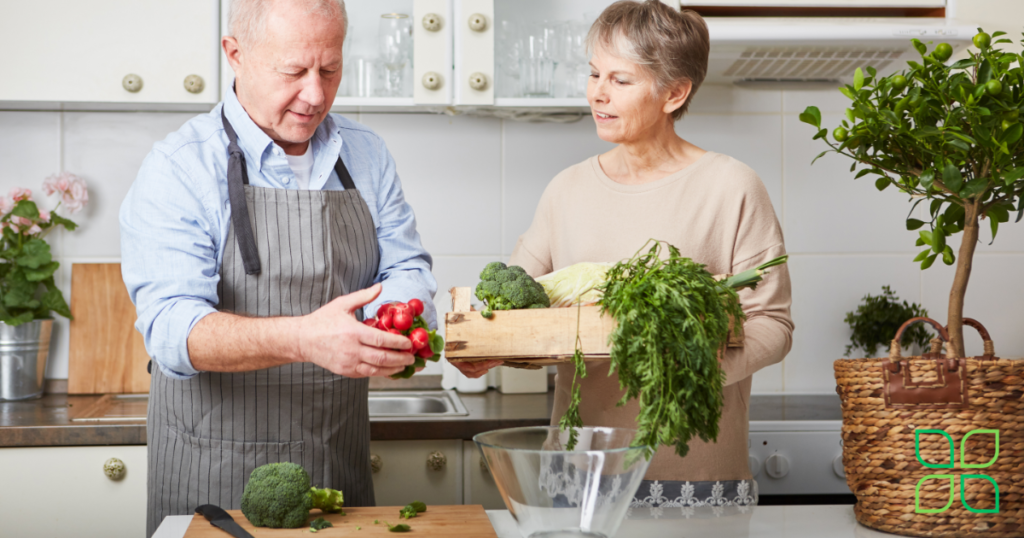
[(474, 370), (332, 338)]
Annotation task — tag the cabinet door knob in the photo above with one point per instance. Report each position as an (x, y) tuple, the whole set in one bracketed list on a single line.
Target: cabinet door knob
[(194, 84), (114, 469), (432, 22), (431, 80), (376, 463), (132, 82), (436, 460), (477, 22), (478, 81)]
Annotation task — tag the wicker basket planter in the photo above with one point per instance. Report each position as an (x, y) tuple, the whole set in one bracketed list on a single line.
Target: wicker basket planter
[(888, 402)]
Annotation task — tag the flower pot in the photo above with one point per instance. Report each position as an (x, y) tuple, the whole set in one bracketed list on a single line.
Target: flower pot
[(23, 353)]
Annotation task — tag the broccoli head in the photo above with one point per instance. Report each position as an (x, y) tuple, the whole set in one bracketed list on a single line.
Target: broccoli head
[(278, 495), (504, 287)]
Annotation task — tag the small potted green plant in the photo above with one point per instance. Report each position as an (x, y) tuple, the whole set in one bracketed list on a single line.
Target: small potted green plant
[(28, 293), (874, 323)]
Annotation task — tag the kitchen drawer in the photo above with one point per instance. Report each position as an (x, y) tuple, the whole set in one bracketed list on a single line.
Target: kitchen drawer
[(479, 483), (406, 475), (63, 491)]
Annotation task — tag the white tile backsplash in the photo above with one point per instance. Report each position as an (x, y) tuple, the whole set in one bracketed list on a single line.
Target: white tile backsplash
[(451, 173), (994, 294), (827, 211), (106, 149), (474, 183), (825, 288), (534, 155)]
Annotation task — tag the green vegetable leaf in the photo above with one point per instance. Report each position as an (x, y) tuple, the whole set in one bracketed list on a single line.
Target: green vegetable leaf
[(436, 342), (319, 524), (398, 528), (419, 506)]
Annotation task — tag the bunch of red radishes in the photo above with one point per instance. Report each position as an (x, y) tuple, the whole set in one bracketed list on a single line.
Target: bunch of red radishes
[(405, 319)]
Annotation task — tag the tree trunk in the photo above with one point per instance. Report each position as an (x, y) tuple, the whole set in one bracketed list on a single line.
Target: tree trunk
[(965, 260)]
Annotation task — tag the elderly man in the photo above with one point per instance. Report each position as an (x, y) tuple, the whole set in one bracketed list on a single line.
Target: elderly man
[(253, 240)]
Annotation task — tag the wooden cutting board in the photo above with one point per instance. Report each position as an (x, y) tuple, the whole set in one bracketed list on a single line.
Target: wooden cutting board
[(105, 354), (437, 522)]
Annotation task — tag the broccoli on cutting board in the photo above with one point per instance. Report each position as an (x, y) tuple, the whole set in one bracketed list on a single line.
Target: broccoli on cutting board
[(503, 287), (278, 495)]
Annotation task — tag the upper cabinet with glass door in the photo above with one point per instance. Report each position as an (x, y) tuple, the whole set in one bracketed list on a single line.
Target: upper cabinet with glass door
[(523, 53), (397, 53)]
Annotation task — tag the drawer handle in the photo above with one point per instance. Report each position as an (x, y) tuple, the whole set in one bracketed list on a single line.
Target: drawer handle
[(114, 469), (376, 463), (436, 460), (132, 82)]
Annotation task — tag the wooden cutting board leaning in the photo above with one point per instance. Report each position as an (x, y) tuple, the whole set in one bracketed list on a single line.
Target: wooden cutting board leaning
[(437, 522), (105, 354)]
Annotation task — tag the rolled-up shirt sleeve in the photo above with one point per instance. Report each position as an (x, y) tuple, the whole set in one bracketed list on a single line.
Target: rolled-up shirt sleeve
[(404, 264), (169, 248)]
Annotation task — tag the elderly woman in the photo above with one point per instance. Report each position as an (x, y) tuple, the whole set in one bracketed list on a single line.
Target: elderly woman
[(648, 60)]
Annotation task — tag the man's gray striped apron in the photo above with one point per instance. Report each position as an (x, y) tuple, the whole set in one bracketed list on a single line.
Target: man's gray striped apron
[(206, 434)]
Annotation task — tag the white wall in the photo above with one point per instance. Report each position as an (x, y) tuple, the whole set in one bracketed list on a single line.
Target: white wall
[(474, 183)]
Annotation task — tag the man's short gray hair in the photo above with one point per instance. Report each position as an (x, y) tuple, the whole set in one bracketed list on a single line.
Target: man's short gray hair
[(671, 45), (247, 19)]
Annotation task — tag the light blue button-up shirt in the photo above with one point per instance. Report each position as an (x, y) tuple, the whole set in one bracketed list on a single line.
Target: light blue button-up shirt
[(176, 217)]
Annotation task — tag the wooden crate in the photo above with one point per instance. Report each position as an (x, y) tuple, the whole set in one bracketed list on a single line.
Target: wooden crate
[(529, 338)]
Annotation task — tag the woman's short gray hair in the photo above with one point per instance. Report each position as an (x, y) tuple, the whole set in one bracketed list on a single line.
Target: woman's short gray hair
[(670, 44), (247, 19)]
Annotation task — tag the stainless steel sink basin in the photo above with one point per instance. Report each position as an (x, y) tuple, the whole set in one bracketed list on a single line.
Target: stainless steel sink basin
[(410, 404), (383, 404)]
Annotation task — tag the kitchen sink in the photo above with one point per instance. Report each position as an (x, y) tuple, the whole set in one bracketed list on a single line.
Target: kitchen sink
[(411, 404), (382, 404)]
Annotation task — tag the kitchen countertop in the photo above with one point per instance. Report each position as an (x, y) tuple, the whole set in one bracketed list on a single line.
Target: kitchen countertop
[(761, 522), (46, 421)]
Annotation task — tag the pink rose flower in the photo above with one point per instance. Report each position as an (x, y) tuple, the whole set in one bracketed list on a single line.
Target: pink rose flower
[(44, 216), (20, 194)]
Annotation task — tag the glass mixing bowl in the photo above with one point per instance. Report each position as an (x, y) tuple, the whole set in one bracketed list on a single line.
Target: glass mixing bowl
[(554, 493)]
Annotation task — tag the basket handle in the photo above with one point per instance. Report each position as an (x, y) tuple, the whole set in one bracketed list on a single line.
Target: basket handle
[(990, 348), (896, 352), (947, 391)]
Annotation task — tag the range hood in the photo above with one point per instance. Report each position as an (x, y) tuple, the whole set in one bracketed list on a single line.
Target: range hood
[(824, 50), (803, 42)]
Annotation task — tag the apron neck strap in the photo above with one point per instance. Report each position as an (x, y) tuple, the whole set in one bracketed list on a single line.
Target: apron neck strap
[(238, 178)]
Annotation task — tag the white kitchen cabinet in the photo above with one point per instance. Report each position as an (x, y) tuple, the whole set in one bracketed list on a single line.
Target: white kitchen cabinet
[(479, 486), (428, 471), (114, 51), (63, 491)]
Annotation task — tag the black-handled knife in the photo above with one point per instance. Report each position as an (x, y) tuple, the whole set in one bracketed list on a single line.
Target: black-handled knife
[(219, 518)]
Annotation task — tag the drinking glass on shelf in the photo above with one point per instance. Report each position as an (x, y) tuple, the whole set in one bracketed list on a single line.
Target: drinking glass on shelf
[(394, 44), (538, 61), (578, 61), (507, 54)]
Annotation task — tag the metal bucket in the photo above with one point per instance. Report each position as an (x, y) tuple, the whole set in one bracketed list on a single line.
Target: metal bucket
[(23, 353)]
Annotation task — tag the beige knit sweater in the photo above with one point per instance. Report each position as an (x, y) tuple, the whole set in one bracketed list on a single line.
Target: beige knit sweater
[(717, 212)]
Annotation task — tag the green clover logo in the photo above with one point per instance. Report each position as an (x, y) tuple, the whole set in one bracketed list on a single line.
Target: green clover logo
[(951, 465)]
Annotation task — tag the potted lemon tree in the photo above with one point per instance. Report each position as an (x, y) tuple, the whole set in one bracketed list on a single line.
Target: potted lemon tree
[(948, 137)]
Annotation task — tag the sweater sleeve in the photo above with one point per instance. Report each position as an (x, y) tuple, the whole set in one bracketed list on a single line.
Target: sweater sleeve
[(768, 329)]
